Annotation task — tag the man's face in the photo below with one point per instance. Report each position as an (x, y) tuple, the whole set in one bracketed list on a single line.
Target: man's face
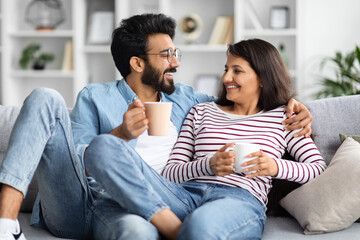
[(158, 72)]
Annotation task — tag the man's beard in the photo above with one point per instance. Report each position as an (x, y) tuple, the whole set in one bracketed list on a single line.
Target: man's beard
[(151, 78)]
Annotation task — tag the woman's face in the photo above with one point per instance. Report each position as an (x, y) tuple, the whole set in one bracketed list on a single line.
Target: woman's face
[(241, 82)]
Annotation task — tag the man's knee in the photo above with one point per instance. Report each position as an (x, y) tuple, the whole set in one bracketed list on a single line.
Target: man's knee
[(99, 148), (45, 96), (102, 143)]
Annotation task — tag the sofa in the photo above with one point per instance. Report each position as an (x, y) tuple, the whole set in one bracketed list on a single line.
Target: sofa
[(331, 117)]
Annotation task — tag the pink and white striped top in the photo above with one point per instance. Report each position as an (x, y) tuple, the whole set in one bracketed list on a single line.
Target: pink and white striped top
[(207, 128)]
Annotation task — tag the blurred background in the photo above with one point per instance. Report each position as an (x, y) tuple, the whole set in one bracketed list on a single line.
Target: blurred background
[(65, 44)]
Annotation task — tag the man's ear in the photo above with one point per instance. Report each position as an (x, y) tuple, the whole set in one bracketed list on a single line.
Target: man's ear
[(137, 64)]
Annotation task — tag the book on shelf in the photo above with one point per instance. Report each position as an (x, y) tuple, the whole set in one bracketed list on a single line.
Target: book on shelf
[(223, 30), (229, 36), (68, 64)]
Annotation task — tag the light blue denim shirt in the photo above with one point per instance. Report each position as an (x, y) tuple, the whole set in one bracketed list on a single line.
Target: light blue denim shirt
[(100, 108)]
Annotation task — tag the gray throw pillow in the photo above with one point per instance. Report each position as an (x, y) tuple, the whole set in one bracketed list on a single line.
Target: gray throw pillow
[(329, 202)]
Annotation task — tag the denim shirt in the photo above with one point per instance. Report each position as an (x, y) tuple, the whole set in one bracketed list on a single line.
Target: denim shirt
[(100, 107)]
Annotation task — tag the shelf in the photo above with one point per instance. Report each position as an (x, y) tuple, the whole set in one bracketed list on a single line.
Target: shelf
[(34, 33), (42, 74), (183, 48), (97, 49), (271, 32), (201, 48)]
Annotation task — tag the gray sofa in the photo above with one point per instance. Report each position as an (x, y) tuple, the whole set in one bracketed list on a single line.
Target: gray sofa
[(331, 117)]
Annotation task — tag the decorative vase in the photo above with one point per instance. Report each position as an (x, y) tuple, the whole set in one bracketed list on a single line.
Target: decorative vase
[(39, 66), (45, 14)]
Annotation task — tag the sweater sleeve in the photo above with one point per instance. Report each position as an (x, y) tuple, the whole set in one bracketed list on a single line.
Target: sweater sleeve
[(309, 162), (183, 165)]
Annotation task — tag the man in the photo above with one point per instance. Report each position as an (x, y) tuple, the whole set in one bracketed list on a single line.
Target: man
[(72, 204)]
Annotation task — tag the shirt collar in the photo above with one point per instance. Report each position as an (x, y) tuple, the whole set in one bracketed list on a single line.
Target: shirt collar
[(126, 91)]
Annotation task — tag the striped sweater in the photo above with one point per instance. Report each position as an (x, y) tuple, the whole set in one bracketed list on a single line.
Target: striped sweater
[(207, 128)]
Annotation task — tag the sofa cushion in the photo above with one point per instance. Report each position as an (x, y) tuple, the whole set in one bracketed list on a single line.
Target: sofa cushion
[(329, 202), (343, 137), (331, 117), (8, 116), (7, 120)]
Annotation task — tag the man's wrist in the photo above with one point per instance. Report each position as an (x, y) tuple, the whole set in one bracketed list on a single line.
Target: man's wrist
[(117, 132)]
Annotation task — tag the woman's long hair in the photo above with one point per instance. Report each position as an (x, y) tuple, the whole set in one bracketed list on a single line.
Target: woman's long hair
[(269, 66)]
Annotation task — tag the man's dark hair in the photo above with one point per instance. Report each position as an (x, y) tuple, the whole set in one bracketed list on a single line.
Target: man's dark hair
[(130, 38), (269, 66)]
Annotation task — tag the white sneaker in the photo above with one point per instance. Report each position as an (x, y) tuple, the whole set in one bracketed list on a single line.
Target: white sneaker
[(12, 236), (18, 235)]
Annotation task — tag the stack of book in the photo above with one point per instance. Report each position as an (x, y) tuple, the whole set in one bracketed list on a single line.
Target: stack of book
[(223, 31)]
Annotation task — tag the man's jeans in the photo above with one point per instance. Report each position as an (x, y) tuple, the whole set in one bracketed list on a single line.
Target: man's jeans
[(71, 205), (208, 211)]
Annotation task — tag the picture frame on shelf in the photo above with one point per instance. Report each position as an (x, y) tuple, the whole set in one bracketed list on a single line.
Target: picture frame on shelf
[(101, 27), (279, 17), (208, 84)]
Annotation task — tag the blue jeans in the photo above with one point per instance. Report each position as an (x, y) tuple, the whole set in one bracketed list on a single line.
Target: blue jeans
[(208, 211), (71, 205)]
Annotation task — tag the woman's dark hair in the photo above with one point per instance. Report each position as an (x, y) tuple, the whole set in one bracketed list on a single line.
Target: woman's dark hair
[(130, 39), (269, 66)]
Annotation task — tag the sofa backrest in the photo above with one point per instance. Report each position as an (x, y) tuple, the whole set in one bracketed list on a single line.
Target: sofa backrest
[(331, 117), (8, 115)]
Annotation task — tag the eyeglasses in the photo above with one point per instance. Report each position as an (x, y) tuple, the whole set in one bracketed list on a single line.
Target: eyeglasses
[(169, 54)]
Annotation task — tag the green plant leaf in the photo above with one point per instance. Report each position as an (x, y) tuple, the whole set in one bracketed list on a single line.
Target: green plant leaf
[(347, 75), (45, 57), (28, 54), (357, 50)]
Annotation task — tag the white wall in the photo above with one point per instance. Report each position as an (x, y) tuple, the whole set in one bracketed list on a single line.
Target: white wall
[(327, 26)]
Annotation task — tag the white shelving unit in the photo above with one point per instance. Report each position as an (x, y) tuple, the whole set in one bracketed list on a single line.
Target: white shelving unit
[(16, 33), (93, 63), (1, 49)]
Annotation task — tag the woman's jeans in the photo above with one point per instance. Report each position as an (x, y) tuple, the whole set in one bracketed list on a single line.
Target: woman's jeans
[(208, 211), (71, 205)]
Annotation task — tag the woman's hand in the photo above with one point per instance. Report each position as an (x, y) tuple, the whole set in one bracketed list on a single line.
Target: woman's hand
[(221, 163), (302, 119), (264, 165)]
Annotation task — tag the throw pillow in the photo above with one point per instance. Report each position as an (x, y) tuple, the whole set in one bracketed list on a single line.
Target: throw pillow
[(355, 137), (329, 202)]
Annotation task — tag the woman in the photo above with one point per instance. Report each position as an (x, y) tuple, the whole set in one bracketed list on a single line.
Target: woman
[(256, 86), (210, 201)]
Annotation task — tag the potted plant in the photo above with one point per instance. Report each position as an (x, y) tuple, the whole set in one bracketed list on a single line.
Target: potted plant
[(347, 75), (31, 54)]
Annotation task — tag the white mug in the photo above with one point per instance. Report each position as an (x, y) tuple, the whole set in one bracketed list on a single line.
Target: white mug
[(241, 150)]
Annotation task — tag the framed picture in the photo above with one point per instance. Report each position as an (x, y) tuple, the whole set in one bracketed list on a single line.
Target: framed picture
[(279, 17), (208, 84), (101, 27)]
